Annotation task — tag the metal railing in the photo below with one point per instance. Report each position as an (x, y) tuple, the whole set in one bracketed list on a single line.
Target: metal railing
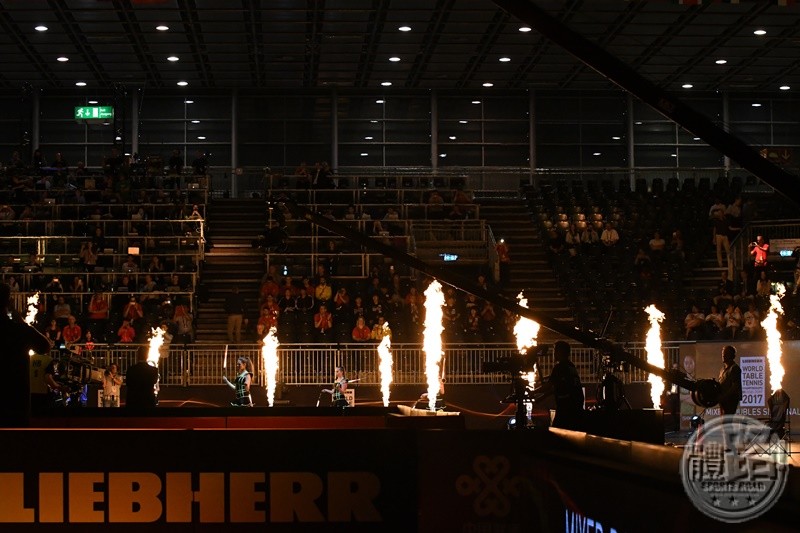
[(312, 364)]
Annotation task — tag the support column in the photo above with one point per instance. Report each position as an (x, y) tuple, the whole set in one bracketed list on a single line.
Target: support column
[(631, 145), (531, 136), (334, 129), (34, 121), (234, 142), (726, 160), (135, 122), (434, 131)]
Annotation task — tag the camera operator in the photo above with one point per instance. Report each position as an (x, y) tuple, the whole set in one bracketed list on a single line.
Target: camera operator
[(18, 339), (565, 384)]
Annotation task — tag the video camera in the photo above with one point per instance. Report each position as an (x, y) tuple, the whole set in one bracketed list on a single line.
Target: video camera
[(76, 372), (516, 363)]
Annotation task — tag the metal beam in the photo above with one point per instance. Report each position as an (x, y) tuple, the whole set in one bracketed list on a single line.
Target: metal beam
[(429, 41), (11, 29), (133, 30), (663, 102), (191, 27), (375, 24), (255, 44), (314, 16), (490, 36), (76, 35)]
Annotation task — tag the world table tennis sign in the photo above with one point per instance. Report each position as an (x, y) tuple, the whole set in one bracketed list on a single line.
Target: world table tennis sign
[(94, 113)]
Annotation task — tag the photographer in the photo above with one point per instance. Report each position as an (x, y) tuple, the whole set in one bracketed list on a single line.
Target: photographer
[(759, 251)]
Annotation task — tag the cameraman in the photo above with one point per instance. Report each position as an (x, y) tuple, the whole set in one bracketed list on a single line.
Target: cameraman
[(565, 384)]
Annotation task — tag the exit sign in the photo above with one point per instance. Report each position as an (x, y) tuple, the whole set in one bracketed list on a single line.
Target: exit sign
[(94, 112)]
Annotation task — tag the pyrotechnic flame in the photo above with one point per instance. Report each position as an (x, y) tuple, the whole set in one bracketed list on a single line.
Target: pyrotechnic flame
[(385, 365), (33, 308), (526, 331), (432, 339), (156, 341), (774, 350), (654, 354), (269, 355)]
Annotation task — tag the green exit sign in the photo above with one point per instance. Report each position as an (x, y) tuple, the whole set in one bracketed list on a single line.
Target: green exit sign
[(94, 112)]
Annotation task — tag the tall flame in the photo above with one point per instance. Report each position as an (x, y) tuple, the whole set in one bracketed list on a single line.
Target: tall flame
[(526, 331), (654, 354), (385, 366), (156, 341), (432, 339), (269, 355), (774, 350), (33, 308)]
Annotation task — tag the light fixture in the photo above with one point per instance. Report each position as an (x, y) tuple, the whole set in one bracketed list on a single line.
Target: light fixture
[(386, 83), (760, 32), (488, 84), (41, 27), (784, 87), (201, 137), (379, 101), (80, 84), (476, 101), (756, 104), (687, 85), (162, 27), (188, 101), (62, 59), (638, 122), (721, 61), (442, 155), (92, 102), (673, 155), (173, 58), (394, 59), (695, 138), (368, 138), (504, 59), (373, 121), (462, 121), (597, 153), (195, 122), (616, 137), (452, 137), (117, 138), (364, 154), (404, 28), (524, 29), (182, 83)]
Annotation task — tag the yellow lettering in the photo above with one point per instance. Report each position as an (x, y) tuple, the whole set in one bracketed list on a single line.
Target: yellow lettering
[(351, 494), (210, 495), (179, 497), (293, 493), (51, 497), (82, 497), (12, 499), (243, 497), (133, 497)]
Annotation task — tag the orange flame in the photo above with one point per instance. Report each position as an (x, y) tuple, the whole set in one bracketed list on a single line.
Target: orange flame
[(156, 341), (654, 354), (269, 355), (526, 331), (432, 338), (774, 350), (33, 309), (385, 366)]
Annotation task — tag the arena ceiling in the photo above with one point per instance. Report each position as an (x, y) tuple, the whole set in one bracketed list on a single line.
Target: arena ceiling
[(450, 44)]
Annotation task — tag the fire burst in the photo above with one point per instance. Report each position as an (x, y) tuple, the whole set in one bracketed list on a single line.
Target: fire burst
[(385, 366), (269, 355), (654, 354), (526, 331), (774, 351), (33, 309), (156, 341), (432, 339)]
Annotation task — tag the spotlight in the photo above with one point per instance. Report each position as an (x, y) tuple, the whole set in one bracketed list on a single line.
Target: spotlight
[(696, 421)]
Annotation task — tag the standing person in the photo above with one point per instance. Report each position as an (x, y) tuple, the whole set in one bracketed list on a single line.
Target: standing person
[(142, 380), (759, 251), (565, 384), (504, 258), (111, 386), (730, 382), (18, 339), (234, 308), (242, 383), (339, 386)]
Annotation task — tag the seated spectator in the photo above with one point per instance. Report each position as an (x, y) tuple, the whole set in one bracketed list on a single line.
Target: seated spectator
[(54, 332), (155, 266), (269, 288), (130, 265), (54, 285), (62, 311), (555, 242), (133, 311), (126, 333), (657, 246), (642, 258), (359, 311), (88, 256), (71, 332), (323, 293), (13, 284), (184, 324), (77, 285), (733, 322), (694, 322), (375, 309), (722, 299), (473, 326), (380, 330), (763, 286), (752, 322), (589, 237), (573, 240), (609, 237), (305, 302), (342, 299), (435, 208), (715, 323), (174, 284), (361, 332), (323, 324)]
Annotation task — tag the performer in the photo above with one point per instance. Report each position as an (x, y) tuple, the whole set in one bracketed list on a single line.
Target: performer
[(142, 379), (439, 404), (730, 382), (339, 386), (18, 339), (242, 383), (111, 385)]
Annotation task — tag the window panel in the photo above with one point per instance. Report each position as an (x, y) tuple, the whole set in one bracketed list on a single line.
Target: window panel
[(398, 155), (507, 155)]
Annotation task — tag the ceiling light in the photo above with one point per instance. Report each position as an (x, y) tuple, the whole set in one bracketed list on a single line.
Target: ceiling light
[(188, 101), (524, 29), (756, 104), (195, 122), (488, 84), (364, 154), (784, 87), (117, 138), (760, 32), (404, 28), (462, 121), (452, 137), (721, 61), (80, 84), (597, 153), (695, 138), (92, 101), (161, 27), (62, 59), (504, 59), (476, 101), (379, 101), (394, 59), (616, 137), (182, 83), (687, 85), (673, 155), (201, 137), (386, 83), (173, 58), (638, 122), (442, 155), (41, 27), (368, 138)]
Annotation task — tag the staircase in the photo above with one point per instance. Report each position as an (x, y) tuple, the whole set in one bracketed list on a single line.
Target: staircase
[(233, 224), (508, 216)]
